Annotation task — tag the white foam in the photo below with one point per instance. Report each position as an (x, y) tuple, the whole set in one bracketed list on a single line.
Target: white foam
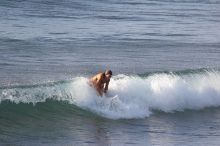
[(136, 97), (130, 96)]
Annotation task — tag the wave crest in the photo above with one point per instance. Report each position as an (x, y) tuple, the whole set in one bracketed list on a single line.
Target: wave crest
[(129, 96)]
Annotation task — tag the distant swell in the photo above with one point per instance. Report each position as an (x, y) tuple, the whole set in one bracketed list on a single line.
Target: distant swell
[(128, 96)]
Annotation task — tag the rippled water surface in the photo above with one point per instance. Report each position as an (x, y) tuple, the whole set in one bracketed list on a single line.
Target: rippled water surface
[(165, 55)]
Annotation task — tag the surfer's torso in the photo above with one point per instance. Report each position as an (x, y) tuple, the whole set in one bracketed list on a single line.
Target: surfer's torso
[(99, 81)]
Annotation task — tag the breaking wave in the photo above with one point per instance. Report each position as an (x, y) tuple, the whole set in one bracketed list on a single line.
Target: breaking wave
[(128, 96)]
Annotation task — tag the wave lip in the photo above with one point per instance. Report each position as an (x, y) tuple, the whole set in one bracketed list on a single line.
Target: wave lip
[(129, 96)]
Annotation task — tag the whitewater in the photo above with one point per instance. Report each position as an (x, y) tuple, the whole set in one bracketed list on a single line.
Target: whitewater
[(129, 96)]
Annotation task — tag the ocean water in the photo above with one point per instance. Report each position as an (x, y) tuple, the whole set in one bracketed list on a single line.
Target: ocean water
[(165, 58)]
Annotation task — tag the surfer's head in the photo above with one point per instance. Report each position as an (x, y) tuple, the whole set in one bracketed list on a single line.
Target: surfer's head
[(108, 74)]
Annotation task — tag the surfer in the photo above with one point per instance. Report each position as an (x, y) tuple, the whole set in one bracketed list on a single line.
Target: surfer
[(101, 81)]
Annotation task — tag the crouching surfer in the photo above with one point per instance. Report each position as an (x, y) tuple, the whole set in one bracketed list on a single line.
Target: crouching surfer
[(101, 81)]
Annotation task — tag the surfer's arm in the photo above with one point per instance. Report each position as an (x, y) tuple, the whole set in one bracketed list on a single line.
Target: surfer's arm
[(100, 92), (96, 84), (106, 87)]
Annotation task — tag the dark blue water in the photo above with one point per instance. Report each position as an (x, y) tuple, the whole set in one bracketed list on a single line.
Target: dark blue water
[(54, 41)]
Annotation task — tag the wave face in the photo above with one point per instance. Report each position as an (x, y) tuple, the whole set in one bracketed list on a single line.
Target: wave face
[(128, 96)]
